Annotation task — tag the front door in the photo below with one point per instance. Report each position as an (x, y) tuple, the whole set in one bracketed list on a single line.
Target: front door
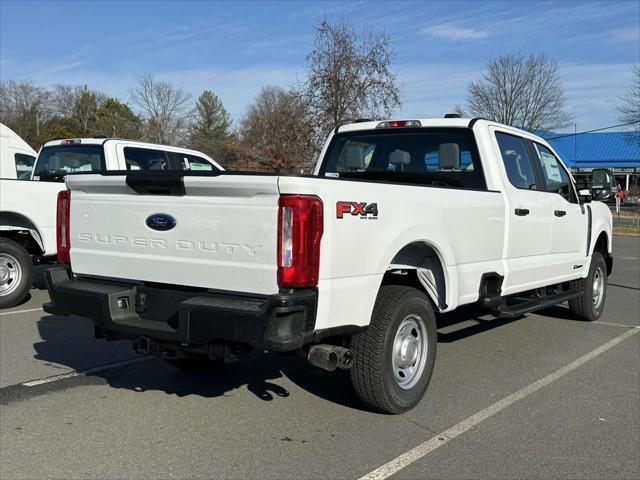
[(567, 256)]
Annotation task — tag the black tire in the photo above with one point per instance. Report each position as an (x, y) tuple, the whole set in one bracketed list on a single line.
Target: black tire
[(373, 375), (585, 307), (15, 262)]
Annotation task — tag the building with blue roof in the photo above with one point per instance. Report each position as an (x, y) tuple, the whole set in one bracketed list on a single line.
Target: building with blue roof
[(616, 151)]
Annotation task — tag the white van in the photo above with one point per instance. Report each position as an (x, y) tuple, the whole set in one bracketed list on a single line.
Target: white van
[(16, 156)]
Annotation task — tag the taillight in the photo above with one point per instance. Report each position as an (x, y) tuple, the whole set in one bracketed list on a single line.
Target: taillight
[(62, 226), (300, 226)]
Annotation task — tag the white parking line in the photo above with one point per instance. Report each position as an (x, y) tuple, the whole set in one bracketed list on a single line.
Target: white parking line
[(76, 373), (614, 324), (20, 311), (430, 445)]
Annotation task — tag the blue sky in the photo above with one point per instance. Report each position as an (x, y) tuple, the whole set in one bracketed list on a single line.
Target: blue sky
[(236, 48)]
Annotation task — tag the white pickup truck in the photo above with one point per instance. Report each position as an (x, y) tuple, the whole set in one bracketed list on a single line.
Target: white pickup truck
[(400, 220), (28, 208)]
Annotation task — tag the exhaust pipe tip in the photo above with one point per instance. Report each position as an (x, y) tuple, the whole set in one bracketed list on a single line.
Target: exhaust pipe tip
[(330, 357)]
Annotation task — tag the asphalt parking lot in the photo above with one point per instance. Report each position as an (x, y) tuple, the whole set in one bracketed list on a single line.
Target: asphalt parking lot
[(543, 396)]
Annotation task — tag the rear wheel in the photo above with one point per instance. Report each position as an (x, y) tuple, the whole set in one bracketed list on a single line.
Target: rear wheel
[(590, 304), (394, 357), (16, 270)]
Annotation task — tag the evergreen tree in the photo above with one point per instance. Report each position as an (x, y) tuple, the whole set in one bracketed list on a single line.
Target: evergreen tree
[(211, 126)]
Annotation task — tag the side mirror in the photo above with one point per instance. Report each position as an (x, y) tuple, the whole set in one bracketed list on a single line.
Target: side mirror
[(584, 195)]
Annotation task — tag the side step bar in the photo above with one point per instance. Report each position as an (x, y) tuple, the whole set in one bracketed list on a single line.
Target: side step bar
[(513, 311)]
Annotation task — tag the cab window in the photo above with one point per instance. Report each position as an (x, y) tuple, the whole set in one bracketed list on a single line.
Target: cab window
[(517, 161), (192, 162), (145, 159), (556, 177), (24, 165)]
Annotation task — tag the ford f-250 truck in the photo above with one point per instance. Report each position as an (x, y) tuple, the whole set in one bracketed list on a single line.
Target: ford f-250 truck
[(28, 208), (401, 220)]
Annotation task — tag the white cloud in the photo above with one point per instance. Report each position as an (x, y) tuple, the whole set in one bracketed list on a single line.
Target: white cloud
[(629, 34), (453, 32)]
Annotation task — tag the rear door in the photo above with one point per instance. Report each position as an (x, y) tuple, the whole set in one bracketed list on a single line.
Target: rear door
[(528, 216), (569, 231)]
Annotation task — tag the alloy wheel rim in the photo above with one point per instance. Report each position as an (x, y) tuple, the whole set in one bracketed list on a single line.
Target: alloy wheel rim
[(409, 353)]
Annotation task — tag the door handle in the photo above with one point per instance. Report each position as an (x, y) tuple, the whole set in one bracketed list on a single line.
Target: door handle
[(559, 213), (521, 212)]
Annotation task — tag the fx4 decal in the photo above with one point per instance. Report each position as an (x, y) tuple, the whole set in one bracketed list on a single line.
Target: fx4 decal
[(361, 209)]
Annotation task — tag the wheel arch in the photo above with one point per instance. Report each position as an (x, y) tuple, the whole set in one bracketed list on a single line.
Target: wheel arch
[(603, 245), (421, 264), (21, 229)]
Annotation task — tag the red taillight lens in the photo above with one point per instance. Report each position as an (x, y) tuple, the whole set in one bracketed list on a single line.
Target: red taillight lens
[(62, 227), (300, 226), (399, 123)]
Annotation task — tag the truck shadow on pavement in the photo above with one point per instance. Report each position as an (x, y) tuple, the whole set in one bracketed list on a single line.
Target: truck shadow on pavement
[(470, 320), (69, 341)]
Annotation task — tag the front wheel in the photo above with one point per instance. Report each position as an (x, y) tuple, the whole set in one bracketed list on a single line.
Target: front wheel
[(590, 304), (16, 270), (394, 357)]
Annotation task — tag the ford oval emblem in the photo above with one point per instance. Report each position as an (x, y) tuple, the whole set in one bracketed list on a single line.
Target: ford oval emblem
[(161, 222)]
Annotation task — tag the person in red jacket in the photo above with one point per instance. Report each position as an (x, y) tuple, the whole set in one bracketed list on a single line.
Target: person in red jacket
[(619, 197)]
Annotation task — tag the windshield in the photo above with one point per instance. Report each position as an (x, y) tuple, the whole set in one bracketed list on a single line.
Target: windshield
[(442, 157), (57, 161)]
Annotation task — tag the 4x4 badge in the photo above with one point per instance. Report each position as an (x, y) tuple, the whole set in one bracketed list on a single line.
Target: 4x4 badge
[(362, 209)]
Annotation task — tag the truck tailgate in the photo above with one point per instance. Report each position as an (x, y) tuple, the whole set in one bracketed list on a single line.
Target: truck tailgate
[(224, 236)]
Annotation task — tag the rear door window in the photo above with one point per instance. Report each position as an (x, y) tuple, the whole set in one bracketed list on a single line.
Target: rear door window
[(517, 161), (192, 162)]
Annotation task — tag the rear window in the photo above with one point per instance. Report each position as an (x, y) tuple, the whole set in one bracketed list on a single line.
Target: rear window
[(57, 161), (441, 157)]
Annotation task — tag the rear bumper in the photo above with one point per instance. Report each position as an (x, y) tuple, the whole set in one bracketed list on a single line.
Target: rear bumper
[(280, 322)]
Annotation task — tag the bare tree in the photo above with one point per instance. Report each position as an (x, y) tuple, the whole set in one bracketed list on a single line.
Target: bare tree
[(64, 98), (349, 76), (525, 92), (165, 109), (630, 107), (276, 131), (459, 109), (23, 108)]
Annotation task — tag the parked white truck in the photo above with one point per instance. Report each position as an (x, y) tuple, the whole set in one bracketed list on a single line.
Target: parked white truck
[(28, 208), (401, 220)]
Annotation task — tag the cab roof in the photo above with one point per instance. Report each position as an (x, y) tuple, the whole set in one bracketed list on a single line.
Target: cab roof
[(426, 122), (92, 141)]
